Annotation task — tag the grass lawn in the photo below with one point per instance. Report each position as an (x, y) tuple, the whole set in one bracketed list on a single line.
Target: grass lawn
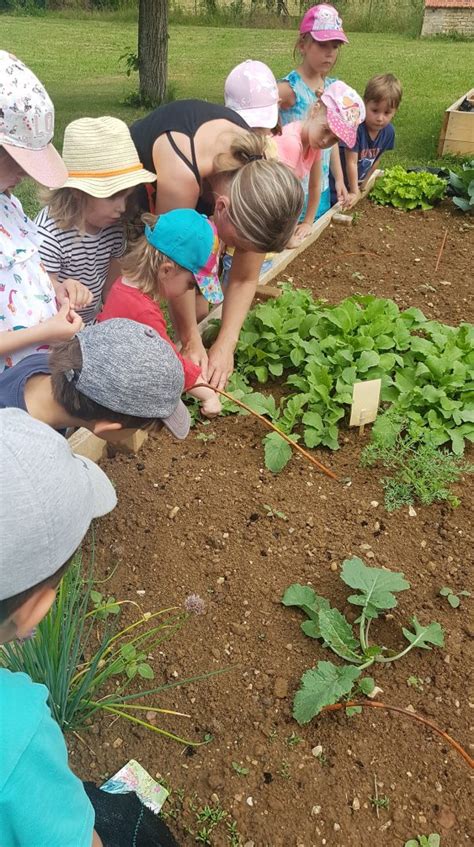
[(78, 60)]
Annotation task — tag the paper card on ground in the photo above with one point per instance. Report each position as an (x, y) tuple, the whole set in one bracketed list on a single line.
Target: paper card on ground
[(132, 777), (365, 402)]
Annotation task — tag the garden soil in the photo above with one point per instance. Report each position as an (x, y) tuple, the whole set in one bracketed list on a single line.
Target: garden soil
[(193, 518)]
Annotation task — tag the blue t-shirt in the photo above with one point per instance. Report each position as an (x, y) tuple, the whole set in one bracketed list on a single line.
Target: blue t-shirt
[(368, 151), (13, 380), (42, 803)]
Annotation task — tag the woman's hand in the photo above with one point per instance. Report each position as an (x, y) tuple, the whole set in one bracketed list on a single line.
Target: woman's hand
[(220, 365)]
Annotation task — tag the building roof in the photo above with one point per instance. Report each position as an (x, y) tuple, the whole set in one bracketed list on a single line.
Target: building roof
[(449, 4)]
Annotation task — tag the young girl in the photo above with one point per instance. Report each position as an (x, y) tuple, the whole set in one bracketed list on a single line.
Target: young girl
[(178, 253), (334, 117), (319, 41), (29, 319), (82, 228)]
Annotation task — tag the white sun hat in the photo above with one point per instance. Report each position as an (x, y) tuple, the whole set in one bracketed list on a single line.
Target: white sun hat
[(101, 157)]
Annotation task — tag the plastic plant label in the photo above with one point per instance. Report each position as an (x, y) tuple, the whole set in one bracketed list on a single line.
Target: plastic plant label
[(133, 777), (365, 402)]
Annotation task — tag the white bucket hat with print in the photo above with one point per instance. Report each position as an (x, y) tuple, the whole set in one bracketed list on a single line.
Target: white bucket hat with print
[(101, 157)]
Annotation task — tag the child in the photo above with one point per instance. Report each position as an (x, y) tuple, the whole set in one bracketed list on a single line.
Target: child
[(82, 228), (335, 116), (382, 97), (319, 41), (53, 496), (179, 252), (71, 386), (251, 90), (29, 319)]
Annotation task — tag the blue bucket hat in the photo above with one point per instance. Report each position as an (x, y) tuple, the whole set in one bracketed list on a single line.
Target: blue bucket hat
[(190, 240)]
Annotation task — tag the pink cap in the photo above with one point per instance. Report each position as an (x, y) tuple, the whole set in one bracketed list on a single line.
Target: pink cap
[(252, 91), (27, 123), (345, 111), (324, 24)]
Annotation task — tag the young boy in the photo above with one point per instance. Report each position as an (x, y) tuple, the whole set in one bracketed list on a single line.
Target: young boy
[(382, 97), (116, 374), (49, 498)]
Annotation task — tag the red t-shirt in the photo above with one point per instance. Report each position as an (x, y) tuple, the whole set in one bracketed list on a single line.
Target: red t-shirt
[(123, 301)]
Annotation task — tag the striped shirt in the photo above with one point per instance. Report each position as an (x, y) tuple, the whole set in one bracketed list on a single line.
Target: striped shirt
[(84, 257)]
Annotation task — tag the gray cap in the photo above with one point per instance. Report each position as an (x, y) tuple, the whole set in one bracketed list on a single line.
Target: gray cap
[(48, 498), (129, 368)]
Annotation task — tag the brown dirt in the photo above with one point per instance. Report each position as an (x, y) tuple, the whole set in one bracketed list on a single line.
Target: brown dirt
[(222, 545)]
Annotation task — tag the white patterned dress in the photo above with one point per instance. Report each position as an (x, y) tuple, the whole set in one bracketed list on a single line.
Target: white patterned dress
[(26, 293)]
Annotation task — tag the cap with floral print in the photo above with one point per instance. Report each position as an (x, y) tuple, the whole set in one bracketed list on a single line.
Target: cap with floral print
[(345, 111), (324, 24), (27, 123)]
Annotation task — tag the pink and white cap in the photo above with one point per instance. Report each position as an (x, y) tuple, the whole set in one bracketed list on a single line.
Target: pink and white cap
[(324, 24), (345, 111), (27, 123), (251, 90)]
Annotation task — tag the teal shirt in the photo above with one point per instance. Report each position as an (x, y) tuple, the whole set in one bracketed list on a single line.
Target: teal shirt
[(304, 99), (42, 803)]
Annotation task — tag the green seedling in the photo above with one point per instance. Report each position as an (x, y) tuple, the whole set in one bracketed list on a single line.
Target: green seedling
[(375, 591), (358, 275), (294, 739), (453, 599), (274, 513), (240, 769), (205, 437), (356, 217), (211, 814), (415, 682), (233, 835), (432, 840), (284, 770), (203, 835), (382, 802), (104, 606)]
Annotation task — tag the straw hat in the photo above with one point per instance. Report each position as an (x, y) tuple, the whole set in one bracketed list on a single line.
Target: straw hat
[(101, 157)]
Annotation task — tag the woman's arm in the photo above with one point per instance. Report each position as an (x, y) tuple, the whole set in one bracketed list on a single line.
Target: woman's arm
[(238, 299)]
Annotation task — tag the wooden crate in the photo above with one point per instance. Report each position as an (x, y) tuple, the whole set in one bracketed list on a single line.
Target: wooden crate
[(457, 132)]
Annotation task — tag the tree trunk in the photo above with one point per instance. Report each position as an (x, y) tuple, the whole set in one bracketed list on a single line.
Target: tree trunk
[(153, 50)]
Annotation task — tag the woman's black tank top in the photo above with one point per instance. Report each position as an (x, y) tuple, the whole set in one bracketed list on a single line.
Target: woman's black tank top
[(185, 116)]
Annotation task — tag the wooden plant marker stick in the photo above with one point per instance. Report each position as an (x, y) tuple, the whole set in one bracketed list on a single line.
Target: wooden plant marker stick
[(271, 426), (441, 250)]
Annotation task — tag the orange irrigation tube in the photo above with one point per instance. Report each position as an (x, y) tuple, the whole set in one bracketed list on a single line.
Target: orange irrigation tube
[(375, 704), (268, 424)]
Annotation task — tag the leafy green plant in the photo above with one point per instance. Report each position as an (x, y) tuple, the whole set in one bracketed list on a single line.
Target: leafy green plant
[(271, 512), (432, 840), (382, 802), (78, 651), (426, 368), (419, 470), (453, 599), (239, 769), (462, 183), (375, 589), (403, 190)]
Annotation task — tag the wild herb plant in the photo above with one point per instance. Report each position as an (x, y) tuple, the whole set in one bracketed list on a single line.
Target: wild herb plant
[(86, 662), (328, 683), (419, 471), (432, 840), (408, 190), (426, 368)]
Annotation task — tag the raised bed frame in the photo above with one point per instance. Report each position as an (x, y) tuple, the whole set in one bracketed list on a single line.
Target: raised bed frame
[(87, 444), (457, 131)]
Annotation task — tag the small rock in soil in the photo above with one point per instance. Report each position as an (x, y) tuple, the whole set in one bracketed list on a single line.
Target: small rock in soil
[(280, 687), (446, 818)]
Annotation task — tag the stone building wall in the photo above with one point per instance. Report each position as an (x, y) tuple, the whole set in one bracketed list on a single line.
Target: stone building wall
[(442, 21)]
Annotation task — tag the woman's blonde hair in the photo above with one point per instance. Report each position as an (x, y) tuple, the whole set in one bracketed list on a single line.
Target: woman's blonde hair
[(142, 262), (266, 198), (67, 207)]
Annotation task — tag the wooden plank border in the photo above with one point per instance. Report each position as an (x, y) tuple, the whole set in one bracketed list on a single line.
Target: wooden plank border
[(87, 444)]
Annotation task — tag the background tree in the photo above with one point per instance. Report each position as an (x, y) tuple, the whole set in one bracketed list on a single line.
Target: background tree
[(153, 50)]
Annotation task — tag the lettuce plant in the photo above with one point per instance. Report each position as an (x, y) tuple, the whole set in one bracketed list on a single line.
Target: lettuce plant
[(404, 190)]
